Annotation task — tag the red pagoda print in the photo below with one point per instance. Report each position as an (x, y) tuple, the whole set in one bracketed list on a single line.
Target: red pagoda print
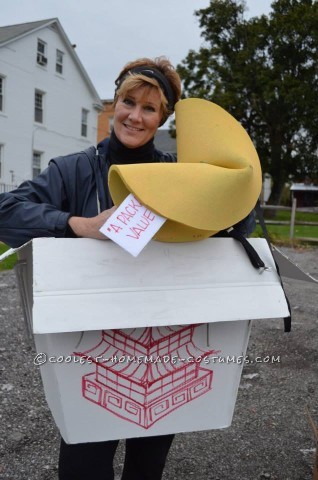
[(143, 374)]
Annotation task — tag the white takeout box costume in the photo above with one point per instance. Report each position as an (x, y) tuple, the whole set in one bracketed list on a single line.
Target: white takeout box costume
[(143, 346)]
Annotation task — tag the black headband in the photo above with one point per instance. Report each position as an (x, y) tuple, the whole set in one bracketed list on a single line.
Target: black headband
[(157, 75)]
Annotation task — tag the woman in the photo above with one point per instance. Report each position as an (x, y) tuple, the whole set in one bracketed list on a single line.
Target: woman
[(71, 199)]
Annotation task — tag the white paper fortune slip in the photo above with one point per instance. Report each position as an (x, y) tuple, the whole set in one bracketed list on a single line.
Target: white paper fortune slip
[(132, 225)]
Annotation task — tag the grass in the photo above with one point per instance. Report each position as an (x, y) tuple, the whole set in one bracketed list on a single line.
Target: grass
[(9, 262), (284, 215), (280, 233)]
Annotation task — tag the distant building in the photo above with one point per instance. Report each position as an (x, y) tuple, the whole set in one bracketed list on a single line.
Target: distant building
[(48, 104), (165, 142), (266, 188), (305, 193), (105, 120)]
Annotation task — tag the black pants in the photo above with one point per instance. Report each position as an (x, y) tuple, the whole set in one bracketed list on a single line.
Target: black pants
[(144, 460)]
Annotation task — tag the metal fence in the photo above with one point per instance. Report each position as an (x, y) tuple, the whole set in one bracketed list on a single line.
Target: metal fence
[(292, 222), (6, 188)]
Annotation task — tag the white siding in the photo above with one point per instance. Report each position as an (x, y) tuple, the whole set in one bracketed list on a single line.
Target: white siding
[(65, 95)]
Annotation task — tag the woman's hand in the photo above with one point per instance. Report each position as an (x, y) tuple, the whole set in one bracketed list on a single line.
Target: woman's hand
[(89, 227)]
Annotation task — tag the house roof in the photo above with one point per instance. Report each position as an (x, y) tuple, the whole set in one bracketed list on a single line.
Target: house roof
[(14, 32), (295, 187)]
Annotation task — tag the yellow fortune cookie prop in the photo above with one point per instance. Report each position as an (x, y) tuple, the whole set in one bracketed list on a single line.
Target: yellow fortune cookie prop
[(214, 184)]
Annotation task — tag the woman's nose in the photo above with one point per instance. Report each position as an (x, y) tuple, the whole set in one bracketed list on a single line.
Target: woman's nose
[(135, 114)]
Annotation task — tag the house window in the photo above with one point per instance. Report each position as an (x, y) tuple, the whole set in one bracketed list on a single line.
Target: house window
[(1, 93), (59, 62), (41, 57), (36, 164), (38, 106), (84, 122)]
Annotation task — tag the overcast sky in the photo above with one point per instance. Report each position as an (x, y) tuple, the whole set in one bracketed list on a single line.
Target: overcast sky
[(109, 33)]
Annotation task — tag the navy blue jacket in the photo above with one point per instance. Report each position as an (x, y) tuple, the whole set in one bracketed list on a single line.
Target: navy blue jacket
[(68, 187)]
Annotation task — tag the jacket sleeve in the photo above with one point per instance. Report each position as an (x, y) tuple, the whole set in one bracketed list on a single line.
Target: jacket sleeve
[(37, 208), (246, 226)]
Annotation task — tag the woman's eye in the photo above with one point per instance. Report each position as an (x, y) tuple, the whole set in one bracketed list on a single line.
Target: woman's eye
[(150, 109), (127, 101)]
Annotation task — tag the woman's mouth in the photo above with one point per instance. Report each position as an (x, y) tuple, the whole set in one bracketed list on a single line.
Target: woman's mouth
[(133, 129)]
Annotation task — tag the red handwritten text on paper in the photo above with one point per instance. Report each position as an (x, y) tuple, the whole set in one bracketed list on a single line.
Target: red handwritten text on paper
[(132, 222)]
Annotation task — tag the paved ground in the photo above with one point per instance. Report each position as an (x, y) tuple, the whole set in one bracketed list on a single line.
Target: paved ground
[(270, 437)]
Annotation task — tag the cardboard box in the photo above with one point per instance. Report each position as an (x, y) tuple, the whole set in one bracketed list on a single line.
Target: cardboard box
[(143, 346)]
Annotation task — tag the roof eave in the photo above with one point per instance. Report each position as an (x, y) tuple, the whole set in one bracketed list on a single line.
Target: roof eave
[(32, 30), (97, 103)]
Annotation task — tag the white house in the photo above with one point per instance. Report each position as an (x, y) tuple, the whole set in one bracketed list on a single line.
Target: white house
[(48, 104)]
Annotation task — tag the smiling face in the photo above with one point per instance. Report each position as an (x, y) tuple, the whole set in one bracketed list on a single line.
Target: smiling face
[(137, 116)]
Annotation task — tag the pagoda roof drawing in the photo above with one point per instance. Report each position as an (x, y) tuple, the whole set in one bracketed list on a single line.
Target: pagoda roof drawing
[(146, 369)]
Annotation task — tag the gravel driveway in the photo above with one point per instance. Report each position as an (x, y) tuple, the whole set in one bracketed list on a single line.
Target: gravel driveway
[(270, 437)]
